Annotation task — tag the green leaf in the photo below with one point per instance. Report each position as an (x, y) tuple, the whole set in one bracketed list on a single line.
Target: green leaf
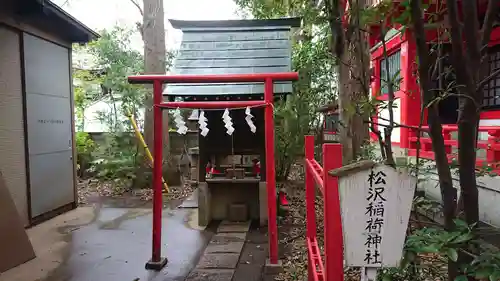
[(452, 254), (386, 278), (429, 249), (495, 276), (460, 223), (463, 238), (461, 278), (483, 273)]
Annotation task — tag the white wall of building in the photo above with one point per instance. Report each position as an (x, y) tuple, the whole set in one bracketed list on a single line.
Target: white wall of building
[(94, 124), (384, 113)]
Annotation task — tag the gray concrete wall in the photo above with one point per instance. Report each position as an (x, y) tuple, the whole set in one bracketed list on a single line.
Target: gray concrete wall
[(12, 135), (224, 194), (214, 200), (489, 195), (12, 141), (489, 191)]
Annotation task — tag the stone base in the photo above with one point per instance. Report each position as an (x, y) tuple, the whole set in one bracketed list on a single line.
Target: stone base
[(204, 198), (156, 265), (232, 227), (273, 269)]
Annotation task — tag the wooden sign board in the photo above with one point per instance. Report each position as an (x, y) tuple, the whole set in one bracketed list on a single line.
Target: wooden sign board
[(375, 202)]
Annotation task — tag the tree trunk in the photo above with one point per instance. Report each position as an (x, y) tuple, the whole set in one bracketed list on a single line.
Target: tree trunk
[(353, 73), (360, 55), (153, 35), (345, 103), (467, 64), (448, 192)]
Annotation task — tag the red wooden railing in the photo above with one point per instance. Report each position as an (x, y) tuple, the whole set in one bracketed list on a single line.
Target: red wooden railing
[(491, 145), (332, 269)]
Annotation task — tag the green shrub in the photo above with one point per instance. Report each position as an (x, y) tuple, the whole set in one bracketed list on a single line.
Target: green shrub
[(118, 160), (85, 147)]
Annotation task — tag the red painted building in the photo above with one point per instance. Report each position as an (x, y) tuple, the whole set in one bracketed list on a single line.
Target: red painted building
[(401, 54)]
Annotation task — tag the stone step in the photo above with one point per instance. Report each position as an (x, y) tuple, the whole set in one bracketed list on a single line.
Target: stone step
[(226, 243), (227, 226), (219, 260), (210, 275), (222, 255)]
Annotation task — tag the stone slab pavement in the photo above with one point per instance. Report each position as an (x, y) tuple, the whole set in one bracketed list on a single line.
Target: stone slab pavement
[(237, 252)]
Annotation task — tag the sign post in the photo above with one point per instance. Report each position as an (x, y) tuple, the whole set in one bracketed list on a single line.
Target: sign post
[(375, 201)]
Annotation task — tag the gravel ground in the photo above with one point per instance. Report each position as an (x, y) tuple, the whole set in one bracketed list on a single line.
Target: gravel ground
[(293, 235), (91, 187)]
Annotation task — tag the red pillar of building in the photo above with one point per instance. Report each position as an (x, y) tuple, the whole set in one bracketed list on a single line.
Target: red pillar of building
[(410, 99), (375, 87)]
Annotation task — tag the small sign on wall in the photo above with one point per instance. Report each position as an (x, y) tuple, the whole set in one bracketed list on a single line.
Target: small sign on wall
[(331, 137), (375, 202)]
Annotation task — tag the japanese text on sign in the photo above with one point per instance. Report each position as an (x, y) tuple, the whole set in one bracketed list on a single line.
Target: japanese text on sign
[(374, 212)]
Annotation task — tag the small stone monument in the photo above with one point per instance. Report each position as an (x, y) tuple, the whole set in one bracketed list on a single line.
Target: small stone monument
[(375, 201)]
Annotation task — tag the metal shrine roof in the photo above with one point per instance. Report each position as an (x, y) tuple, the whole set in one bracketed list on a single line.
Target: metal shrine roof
[(232, 47)]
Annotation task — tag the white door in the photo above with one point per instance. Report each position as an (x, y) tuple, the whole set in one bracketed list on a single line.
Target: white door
[(50, 138)]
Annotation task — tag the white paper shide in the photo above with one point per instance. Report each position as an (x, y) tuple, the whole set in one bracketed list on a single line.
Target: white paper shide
[(202, 122), (249, 120), (179, 122), (228, 123)]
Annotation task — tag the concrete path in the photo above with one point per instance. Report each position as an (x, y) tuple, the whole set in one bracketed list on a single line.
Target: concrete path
[(108, 243), (111, 240)]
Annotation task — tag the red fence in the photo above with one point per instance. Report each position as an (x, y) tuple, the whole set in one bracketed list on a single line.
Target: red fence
[(491, 146), (332, 268)]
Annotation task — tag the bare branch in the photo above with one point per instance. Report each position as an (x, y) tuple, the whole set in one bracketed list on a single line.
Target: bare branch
[(446, 95), (395, 125), (485, 81), (64, 4), (138, 6)]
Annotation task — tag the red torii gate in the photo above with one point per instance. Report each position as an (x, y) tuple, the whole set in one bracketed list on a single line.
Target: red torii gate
[(157, 261)]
